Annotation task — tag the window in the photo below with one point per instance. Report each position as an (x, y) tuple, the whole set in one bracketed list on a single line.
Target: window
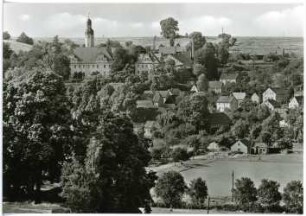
[(104, 66)]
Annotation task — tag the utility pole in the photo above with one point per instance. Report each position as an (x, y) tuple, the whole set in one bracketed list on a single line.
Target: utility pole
[(208, 202)]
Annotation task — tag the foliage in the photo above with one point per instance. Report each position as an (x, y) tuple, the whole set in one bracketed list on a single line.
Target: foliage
[(23, 38), (6, 36), (171, 187), (245, 192), (293, 197), (202, 83), (207, 57), (268, 195), (198, 40), (198, 191), (180, 154), (36, 130), (115, 162), (169, 28)]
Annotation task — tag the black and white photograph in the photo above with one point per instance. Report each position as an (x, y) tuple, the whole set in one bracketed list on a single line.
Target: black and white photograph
[(161, 108)]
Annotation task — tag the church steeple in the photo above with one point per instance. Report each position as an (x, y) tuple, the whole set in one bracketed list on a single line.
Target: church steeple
[(89, 34)]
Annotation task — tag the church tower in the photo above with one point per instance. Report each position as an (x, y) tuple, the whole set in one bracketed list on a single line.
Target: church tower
[(89, 34)]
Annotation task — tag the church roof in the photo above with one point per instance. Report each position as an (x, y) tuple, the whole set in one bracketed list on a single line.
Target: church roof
[(90, 54)]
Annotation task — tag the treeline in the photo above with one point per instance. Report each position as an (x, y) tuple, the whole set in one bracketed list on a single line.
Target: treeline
[(171, 188)]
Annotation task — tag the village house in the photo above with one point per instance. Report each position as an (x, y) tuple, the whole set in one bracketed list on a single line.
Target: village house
[(181, 60), (228, 78), (194, 89), (160, 98), (146, 63), (298, 91), (149, 128), (242, 146), (239, 96), (215, 86), (271, 104), (89, 60), (217, 121), (276, 94), (255, 98), (226, 102), (296, 102), (213, 146), (260, 148), (144, 104), (283, 124)]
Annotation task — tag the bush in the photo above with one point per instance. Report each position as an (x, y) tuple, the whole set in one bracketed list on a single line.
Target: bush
[(23, 38), (180, 154), (6, 35)]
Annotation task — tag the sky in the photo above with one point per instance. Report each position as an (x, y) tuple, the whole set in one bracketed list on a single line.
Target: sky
[(135, 20)]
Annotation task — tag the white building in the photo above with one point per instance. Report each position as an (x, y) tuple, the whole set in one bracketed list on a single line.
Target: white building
[(241, 146)]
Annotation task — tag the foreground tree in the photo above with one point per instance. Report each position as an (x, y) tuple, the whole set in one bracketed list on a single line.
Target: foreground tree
[(113, 178), (36, 136), (245, 192), (198, 191), (293, 197), (171, 187), (268, 195)]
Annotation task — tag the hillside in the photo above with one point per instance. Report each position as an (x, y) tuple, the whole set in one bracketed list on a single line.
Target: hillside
[(17, 46)]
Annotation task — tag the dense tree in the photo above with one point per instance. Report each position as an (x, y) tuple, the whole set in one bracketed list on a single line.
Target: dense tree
[(180, 154), (6, 36), (23, 38), (36, 131), (240, 129), (245, 192), (171, 187), (198, 191), (169, 28), (198, 69), (293, 197), (198, 40), (115, 163), (268, 195), (207, 57), (202, 83)]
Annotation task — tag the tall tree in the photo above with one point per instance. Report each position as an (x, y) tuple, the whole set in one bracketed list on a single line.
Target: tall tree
[(268, 195), (6, 36), (115, 163), (293, 197), (169, 29), (37, 114), (245, 192), (198, 191), (171, 187), (23, 38), (198, 40), (202, 83)]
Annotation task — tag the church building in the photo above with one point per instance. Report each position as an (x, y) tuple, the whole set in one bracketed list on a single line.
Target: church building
[(90, 60)]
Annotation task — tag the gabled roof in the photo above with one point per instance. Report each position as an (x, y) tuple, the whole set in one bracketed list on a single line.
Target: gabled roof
[(150, 124), (274, 103), (224, 99), (144, 104), (244, 141), (215, 84), (218, 119), (260, 145), (184, 57), (300, 99), (229, 76), (90, 54), (239, 95), (116, 86), (255, 94)]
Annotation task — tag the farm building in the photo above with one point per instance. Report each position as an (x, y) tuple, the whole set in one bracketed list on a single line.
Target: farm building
[(242, 146)]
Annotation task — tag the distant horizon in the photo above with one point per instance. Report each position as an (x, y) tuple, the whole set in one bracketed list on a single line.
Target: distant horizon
[(143, 20)]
